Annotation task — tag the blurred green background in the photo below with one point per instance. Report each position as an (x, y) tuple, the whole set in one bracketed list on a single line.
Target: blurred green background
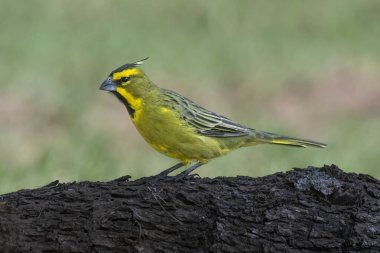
[(305, 69)]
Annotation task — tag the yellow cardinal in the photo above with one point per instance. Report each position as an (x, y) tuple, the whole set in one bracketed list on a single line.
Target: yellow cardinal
[(178, 127)]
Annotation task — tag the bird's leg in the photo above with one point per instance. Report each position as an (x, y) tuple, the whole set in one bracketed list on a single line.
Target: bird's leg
[(166, 172), (186, 172)]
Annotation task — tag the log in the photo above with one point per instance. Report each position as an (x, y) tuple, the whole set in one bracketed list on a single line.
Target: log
[(302, 210)]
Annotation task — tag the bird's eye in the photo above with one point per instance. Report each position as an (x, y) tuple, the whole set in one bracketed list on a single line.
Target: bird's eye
[(125, 79)]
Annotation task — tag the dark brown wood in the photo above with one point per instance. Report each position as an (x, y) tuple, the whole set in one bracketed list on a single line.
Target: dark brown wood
[(303, 210)]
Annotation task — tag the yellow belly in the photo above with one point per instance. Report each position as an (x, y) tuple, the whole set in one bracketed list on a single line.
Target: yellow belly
[(166, 133)]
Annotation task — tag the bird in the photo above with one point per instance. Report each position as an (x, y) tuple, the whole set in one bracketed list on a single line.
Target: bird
[(181, 129)]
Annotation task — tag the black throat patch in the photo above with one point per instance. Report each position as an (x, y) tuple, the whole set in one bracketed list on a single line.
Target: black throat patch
[(126, 103)]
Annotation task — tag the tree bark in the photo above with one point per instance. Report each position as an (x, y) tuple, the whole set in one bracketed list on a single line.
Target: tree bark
[(303, 210)]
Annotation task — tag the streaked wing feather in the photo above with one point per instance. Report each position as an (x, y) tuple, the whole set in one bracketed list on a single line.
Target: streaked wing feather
[(207, 123)]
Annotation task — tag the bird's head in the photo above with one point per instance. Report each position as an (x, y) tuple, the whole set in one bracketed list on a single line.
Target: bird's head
[(127, 75)]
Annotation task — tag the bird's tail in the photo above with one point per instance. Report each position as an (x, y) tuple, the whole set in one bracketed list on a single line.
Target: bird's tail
[(264, 137)]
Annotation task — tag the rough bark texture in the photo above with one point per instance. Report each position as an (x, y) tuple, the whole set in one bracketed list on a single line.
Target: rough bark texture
[(303, 210)]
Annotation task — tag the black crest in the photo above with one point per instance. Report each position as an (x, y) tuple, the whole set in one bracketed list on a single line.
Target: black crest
[(129, 65)]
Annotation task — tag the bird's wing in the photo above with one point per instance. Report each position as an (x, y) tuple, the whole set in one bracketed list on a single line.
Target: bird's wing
[(206, 123)]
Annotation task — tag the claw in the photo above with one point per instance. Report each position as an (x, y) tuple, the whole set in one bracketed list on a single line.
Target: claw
[(181, 176), (184, 176)]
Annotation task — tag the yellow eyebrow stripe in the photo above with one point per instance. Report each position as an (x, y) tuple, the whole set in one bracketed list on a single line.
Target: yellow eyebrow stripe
[(125, 73)]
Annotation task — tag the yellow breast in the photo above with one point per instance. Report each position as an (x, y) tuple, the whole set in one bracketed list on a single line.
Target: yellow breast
[(165, 130), (167, 133)]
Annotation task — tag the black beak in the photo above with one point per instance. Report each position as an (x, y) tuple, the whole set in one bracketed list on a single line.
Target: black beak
[(108, 85)]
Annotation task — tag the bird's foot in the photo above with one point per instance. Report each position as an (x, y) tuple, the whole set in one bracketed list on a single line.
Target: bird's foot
[(185, 176), (177, 178), (190, 177), (164, 174)]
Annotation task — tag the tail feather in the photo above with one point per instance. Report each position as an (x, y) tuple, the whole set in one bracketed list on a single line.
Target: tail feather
[(265, 137)]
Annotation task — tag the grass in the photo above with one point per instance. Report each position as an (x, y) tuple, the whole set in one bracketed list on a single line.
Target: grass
[(301, 69)]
